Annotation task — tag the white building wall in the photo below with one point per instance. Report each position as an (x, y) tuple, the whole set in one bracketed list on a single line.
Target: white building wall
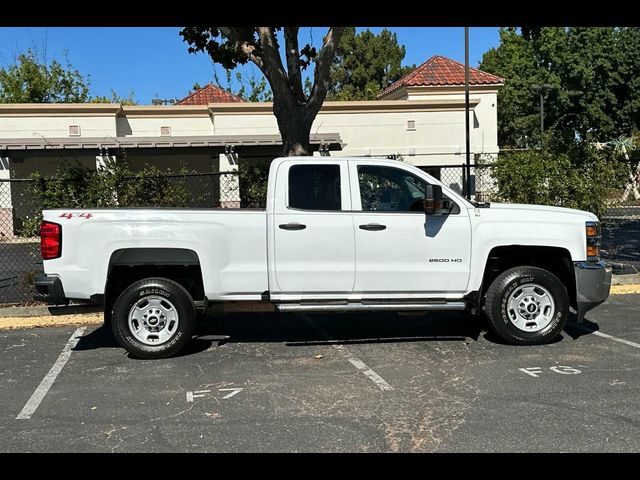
[(377, 129), (150, 126), (437, 135), (244, 124), (483, 121), (46, 126), (438, 138)]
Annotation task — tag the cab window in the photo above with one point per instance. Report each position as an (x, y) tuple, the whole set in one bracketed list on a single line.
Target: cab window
[(389, 189)]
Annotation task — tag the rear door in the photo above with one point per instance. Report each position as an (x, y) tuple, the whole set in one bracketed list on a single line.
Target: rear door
[(312, 225)]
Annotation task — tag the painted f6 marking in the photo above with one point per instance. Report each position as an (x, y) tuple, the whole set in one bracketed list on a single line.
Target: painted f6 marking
[(562, 369)]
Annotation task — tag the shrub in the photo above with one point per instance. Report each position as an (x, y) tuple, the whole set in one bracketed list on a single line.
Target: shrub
[(253, 176), (152, 187), (579, 177), (115, 185)]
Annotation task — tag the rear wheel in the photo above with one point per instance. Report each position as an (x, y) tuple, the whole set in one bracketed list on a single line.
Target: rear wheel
[(527, 306), (154, 318)]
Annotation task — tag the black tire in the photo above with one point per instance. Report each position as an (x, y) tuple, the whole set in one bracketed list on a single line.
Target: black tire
[(497, 308), (160, 288)]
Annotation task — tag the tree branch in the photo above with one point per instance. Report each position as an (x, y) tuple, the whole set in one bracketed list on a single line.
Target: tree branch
[(293, 61), (273, 68), (242, 44), (322, 70)]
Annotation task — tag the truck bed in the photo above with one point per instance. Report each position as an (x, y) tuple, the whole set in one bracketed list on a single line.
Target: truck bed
[(230, 244)]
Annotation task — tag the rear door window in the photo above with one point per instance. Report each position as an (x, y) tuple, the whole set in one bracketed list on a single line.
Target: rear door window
[(315, 187)]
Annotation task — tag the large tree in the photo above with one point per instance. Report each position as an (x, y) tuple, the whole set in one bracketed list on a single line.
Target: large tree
[(115, 98), (366, 64), (294, 109), (593, 74), (251, 89), (30, 79)]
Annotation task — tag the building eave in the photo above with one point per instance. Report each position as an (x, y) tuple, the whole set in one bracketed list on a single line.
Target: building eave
[(133, 111), (208, 141), (372, 106), (248, 108)]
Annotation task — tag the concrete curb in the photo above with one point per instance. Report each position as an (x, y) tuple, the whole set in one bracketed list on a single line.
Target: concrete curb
[(627, 279)]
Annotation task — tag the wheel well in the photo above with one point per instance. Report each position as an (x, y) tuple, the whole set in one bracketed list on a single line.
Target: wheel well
[(553, 259), (127, 266)]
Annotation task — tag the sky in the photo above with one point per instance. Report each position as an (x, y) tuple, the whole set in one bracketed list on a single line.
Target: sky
[(153, 62)]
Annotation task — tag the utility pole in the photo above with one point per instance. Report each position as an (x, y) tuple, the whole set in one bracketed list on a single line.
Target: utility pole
[(541, 89), (467, 186)]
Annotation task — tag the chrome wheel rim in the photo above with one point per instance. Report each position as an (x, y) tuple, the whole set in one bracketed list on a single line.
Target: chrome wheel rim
[(530, 307), (153, 320)]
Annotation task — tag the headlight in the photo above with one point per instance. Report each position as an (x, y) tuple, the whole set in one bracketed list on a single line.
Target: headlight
[(592, 230)]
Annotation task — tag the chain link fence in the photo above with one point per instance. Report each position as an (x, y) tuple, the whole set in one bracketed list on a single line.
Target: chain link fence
[(21, 202), (620, 219)]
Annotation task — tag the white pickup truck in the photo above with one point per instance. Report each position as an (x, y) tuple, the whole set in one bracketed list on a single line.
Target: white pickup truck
[(338, 234)]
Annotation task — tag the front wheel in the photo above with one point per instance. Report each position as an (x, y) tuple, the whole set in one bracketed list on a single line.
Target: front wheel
[(154, 318), (527, 306)]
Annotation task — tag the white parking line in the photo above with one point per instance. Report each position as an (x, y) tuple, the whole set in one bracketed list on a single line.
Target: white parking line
[(356, 362), (610, 337), (37, 397)]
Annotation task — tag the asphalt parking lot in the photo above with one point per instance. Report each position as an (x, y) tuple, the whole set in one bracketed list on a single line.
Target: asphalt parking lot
[(347, 383)]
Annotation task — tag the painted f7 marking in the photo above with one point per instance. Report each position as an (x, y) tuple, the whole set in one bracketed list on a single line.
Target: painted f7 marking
[(199, 393), (196, 394)]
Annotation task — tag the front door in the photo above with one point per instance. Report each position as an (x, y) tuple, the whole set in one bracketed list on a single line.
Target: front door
[(399, 249), (312, 227)]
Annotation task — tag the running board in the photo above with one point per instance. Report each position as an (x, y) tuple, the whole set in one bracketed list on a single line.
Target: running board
[(353, 307)]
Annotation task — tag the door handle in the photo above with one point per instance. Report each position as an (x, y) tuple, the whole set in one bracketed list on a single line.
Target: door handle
[(374, 227), (292, 226)]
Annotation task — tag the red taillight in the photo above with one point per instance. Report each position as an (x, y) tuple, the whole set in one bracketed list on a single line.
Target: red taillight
[(50, 240)]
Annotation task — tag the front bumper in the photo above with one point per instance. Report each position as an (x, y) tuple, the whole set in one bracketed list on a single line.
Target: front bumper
[(593, 282), (49, 289)]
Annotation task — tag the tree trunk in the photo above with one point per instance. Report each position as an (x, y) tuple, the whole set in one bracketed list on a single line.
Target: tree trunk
[(295, 129)]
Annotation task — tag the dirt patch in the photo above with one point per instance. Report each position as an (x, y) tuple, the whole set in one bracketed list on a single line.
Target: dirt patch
[(51, 321)]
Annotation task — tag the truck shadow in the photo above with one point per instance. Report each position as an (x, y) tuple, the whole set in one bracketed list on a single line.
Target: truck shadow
[(315, 329), (102, 337), (338, 328), (576, 330)]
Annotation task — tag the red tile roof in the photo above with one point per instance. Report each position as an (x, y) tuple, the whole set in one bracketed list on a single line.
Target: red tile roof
[(439, 70), (209, 94)]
